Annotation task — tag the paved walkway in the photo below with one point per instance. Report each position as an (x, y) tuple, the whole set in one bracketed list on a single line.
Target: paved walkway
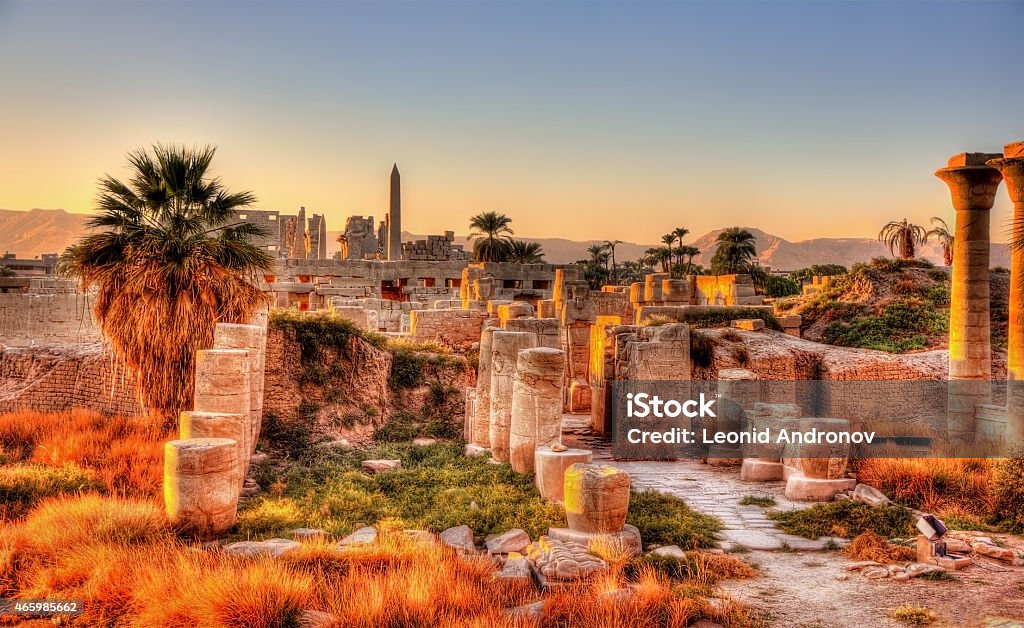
[(715, 491)]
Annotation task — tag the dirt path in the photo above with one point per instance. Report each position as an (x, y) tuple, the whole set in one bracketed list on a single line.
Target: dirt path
[(810, 587)]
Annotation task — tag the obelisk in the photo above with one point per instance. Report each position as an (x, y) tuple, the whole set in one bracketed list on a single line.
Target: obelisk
[(395, 216)]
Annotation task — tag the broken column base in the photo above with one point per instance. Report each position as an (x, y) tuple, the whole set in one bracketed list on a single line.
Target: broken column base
[(719, 456), (628, 540), (579, 397), (549, 470), (805, 489), (788, 470), (754, 470)]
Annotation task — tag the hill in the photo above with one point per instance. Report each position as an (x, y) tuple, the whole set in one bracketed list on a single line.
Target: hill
[(30, 233), (37, 231)]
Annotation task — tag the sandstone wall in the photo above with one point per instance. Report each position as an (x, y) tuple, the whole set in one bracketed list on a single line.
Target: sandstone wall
[(46, 319), (54, 379), (452, 327)]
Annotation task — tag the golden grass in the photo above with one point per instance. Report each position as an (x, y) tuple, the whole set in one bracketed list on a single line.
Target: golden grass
[(122, 455), (940, 485), (120, 557), (870, 546)]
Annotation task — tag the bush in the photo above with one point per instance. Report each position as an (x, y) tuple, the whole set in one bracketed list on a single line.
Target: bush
[(23, 486), (900, 327), (1008, 491), (667, 520), (845, 518)]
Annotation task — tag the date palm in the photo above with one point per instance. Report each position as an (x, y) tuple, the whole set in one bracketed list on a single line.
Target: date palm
[(941, 231), (609, 245), (687, 253), (523, 252), (168, 264), (669, 240), (902, 238), (490, 233), (737, 250)]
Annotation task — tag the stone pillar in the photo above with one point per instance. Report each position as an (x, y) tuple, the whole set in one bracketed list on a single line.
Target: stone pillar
[(1012, 169), (736, 388), (467, 430), (536, 405), (550, 466), (763, 462), (251, 338), (481, 424), (505, 348), (192, 424), (822, 473), (547, 330), (223, 385), (201, 485), (596, 498), (972, 187)]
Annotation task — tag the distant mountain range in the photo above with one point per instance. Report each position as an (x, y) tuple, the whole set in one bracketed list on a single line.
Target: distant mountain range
[(36, 231)]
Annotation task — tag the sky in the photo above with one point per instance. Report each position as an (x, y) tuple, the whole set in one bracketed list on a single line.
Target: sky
[(583, 120)]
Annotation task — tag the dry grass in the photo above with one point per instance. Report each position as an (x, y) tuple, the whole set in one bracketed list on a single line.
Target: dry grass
[(117, 455), (122, 559), (870, 546), (940, 485), (913, 615)]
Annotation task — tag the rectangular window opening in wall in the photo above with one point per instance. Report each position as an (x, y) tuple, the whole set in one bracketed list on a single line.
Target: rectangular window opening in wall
[(511, 284), (272, 217), (272, 247), (428, 282), (541, 284), (453, 283), (242, 216)]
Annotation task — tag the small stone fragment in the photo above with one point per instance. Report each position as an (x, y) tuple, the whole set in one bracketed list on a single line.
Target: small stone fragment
[(380, 466), (459, 538), (515, 540)]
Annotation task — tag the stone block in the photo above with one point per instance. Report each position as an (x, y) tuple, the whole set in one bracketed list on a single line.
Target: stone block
[(596, 498), (550, 467), (802, 488), (754, 470), (536, 405), (971, 159), (748, 324), (579, 397), (515, 540), (627, 540)]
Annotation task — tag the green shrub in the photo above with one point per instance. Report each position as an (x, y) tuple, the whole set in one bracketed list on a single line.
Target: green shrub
[(764, 501), (845, 518), (723, 315), (1008, 490), (900, 327), (290, 434), (667, 520)]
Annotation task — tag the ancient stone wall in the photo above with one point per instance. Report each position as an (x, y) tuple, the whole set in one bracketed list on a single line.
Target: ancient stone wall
[(51, 318), (452, 327), (56, 379), (724, 290)]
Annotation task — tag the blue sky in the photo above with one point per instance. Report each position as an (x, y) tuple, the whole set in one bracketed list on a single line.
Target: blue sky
[(578, 119)]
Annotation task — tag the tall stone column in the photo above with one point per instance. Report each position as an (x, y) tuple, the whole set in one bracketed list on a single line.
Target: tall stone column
[(505, 348), (536, 405), (223, 385), (201, 485), (1012, 169), (972, 186), (252, 339), (192, 424), (481, 423)]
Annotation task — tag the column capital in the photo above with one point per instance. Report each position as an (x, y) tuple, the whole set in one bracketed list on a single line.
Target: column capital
[(972, 183), (1012, 168)]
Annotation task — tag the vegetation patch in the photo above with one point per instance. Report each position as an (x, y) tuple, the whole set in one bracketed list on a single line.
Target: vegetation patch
[(846, 518), (667, 520), (913, 615), (764, 501), (702, 349), (870, 546), (722, 316)]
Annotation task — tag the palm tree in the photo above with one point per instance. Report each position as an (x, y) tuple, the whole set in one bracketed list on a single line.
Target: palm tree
[(737, 249), (610, 246), (902, 236), (490, 234), (680, 233), (523, 252), (168, 265), (941, 231), (688, 252), (669, 240)]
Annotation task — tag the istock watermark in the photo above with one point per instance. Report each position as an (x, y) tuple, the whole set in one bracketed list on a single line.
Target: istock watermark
[(760, 418)]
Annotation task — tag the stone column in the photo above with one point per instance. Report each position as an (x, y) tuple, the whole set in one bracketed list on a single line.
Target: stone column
[(596, 498), (192, 424), (481, 424), (972, 187), (550, 466), (1012, 169), (201, 485), (223, 385), (505, 348), (251, 338), (536, 405)]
